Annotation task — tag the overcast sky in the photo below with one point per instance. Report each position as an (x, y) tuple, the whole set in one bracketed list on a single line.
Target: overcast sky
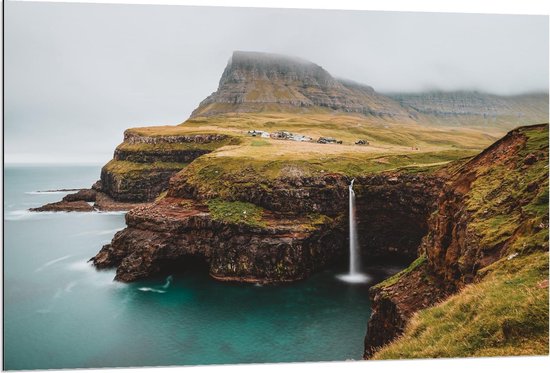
[(77, 75)]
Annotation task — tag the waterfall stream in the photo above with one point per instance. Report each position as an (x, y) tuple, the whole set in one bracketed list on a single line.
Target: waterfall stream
[(353, 253), (354, 275)]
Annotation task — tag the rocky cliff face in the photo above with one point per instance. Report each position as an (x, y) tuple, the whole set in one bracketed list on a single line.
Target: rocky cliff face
[(174, 231), (256, 82), (302, 226), (142, 165), (492, 207), (472, 107), (495, 205), (141, 168), (392, 212)]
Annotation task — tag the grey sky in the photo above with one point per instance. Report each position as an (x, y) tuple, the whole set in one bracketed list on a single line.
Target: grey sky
[(77, 75)]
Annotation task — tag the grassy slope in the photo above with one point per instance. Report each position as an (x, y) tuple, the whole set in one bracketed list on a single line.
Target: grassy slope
[(134, 169), (506, 312), (391, 146), (495, 217), (256, 160), (236, 212), (178, 146), (346, 127)]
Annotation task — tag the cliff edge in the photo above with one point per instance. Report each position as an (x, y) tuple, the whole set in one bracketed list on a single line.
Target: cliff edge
[(480, 284)]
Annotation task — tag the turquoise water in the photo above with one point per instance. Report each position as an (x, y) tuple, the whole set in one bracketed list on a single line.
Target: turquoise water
[(59, 312)]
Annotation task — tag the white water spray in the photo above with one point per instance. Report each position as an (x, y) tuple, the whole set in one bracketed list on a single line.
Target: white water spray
[(354, 274)]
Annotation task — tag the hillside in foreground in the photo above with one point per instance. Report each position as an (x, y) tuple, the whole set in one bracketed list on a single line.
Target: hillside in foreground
[(487, 247)]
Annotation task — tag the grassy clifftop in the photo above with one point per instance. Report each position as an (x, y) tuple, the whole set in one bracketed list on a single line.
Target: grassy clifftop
[(255, 160), (214, 167)]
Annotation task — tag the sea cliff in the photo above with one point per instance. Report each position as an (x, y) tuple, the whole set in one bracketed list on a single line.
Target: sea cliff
[(491, 214)]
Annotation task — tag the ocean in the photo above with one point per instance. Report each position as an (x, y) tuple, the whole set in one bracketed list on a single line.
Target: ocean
[(59, 312)]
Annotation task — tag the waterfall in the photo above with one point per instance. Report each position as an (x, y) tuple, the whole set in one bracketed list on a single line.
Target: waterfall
[(353, 246), (354, 275)]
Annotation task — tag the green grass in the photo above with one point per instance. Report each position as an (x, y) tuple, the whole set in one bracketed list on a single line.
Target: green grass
[(134, 169), (236, 212), (504, 314), (219, 175), (161, 196), (245, 160), (194, 128), (536, 140), (180, 146), (510, 199), (259, 143), (346, 127), (421, 260), (242, 160)]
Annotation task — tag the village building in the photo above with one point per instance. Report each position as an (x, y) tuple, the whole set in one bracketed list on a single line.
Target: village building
[(328, 140), (257, 133), (281, 135), (301, 138)]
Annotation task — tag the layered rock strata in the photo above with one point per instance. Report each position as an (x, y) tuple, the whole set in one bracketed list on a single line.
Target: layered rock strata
[(140, 170), (302, 229), (173, 230), (87, 200), (260, 82), (483, 108), (142, 165)]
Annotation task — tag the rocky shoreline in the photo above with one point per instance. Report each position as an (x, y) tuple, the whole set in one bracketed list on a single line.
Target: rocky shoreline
[(86, 200)]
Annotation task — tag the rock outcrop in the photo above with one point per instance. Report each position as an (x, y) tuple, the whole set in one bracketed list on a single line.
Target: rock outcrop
[(143, 165), (493, 206), (76, 206), (87, 200), (139, 185), (140, 170), (175, 230)]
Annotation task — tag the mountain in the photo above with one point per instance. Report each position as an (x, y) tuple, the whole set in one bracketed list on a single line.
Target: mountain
[(255, 82), (449, 107)]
